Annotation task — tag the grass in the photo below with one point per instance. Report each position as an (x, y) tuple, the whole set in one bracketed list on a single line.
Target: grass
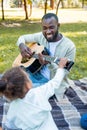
[(11, 30)]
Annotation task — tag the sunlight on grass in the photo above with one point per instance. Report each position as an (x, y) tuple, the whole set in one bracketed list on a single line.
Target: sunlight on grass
[(76, 33), (80, 39)]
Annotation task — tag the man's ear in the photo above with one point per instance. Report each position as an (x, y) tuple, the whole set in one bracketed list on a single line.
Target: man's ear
[(58, 25)]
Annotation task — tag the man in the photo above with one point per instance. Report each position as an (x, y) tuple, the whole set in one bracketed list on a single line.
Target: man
[(57, 45)]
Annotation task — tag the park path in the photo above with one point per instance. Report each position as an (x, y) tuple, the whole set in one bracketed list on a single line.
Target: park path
[(65, 15)]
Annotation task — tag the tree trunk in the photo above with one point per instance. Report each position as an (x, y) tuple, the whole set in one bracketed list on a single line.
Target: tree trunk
[(30, 10), (58, 6), (62, 3), (25, 8), (68, 3), (82, 3), (52, 4), (2, 10), (45, 4)]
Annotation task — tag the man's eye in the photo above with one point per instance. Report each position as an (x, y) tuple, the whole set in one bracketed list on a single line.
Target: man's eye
[(44, 28), (52, 27)]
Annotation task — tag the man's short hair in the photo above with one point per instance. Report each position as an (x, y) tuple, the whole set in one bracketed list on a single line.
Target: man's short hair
[(49, 15)]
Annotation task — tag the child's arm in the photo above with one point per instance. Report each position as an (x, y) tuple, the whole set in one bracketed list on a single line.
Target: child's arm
[(0, 128), (48, 89)]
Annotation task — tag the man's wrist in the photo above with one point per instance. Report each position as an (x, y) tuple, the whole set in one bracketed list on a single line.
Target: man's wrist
[(21, 45)]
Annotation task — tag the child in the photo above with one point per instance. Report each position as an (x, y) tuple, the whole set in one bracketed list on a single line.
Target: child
[(29, 108)]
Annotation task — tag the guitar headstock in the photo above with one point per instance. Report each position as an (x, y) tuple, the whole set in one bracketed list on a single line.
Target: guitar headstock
[(69, 65)]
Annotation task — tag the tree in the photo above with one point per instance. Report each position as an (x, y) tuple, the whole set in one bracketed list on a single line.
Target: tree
[(62, 3), (52, 4), (2, 5), (27, 2), (25, 8), (58, 6), (45, 5), (30, 4), (82, 3)]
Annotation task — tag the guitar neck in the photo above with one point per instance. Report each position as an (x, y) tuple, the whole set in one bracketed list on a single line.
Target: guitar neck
[(56, 60), (46, 57)]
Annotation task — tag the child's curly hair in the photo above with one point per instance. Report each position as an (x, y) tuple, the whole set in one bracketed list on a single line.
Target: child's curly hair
[(13, 82)]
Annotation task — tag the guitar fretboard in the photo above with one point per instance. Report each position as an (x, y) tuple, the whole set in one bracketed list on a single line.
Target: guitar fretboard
[(47, 58)]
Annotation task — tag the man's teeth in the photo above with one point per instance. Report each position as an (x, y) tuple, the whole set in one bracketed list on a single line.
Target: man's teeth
[(49, 36)]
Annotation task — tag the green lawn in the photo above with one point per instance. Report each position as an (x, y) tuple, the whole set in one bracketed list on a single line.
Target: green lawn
[(10, 31)]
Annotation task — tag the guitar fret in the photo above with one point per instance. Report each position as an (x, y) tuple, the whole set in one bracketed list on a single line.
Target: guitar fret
[(35, 56), (50, 59), (47, 58)]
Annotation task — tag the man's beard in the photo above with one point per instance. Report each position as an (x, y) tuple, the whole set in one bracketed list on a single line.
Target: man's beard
[(53, 39)]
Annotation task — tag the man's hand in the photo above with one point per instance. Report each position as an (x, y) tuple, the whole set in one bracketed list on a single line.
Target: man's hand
[(25, 51), (42, 59)]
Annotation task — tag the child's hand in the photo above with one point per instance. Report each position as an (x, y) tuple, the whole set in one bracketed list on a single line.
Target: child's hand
[(63, 62), (42, 60)]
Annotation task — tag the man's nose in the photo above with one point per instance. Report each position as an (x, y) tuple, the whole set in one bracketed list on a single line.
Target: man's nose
[(48, 31)]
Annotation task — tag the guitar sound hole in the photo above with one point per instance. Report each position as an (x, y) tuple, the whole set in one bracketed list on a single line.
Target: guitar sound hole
[(24, 60)]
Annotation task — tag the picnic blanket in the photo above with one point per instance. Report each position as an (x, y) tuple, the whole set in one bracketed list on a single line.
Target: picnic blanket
[(67, 111)]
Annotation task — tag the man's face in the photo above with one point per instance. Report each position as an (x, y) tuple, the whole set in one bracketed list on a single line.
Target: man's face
[(50, 29)]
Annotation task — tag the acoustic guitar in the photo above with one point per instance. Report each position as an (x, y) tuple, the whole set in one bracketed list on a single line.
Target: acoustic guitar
[(32, 64)]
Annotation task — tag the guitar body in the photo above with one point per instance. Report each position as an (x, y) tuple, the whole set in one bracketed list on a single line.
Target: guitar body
[(34, 67), (31, 64)]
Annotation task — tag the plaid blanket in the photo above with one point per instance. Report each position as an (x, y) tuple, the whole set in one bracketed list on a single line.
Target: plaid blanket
[(67, 111)]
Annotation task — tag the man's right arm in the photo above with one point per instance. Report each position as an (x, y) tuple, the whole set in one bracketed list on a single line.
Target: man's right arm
[(23, 40), (25, 51)]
